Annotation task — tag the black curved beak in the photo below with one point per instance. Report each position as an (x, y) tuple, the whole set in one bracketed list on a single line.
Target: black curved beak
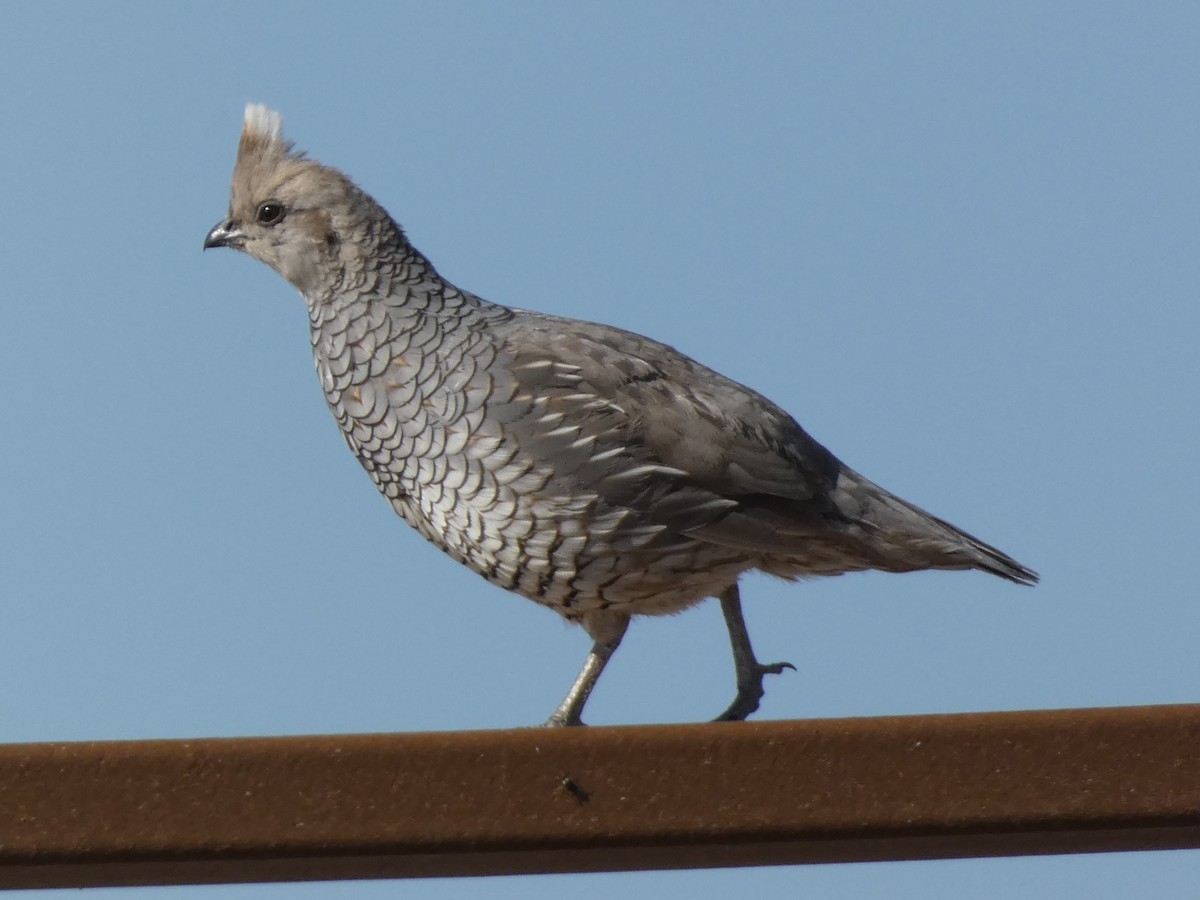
[(224, 234)]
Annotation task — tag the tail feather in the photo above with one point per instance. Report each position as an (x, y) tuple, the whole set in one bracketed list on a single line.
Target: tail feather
[(856, 526), (893, 523), (988, 558)]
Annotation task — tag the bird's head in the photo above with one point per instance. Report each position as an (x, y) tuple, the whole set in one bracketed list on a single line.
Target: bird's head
[(286, 210)]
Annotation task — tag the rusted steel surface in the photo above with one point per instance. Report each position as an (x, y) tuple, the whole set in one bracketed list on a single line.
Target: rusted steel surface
[(535, 800)]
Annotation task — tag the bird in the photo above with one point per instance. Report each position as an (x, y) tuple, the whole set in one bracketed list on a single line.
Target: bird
[(592, 470)]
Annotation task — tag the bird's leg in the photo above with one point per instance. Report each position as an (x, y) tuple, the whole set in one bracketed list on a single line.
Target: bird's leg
[(571, 709), (749, 670)]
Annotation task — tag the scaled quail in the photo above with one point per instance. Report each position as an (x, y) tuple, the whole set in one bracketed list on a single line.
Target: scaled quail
[(595, 471)]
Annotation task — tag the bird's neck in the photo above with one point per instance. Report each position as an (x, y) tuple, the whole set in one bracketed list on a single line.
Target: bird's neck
[(381, 269), (372, 257)]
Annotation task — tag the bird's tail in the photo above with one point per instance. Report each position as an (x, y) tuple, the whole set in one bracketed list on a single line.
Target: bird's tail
[(908, 537)]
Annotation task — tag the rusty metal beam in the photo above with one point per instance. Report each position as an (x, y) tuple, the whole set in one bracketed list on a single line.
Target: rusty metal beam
[(534, 800)]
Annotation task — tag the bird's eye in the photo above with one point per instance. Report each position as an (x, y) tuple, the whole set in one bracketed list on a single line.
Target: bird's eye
[(269, 213)]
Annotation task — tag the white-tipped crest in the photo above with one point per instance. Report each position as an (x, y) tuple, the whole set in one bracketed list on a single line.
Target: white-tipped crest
[(263, 123)]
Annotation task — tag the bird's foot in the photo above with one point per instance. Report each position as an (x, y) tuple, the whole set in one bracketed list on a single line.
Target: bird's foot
[(750, 689), (570, 711), (562, 719)]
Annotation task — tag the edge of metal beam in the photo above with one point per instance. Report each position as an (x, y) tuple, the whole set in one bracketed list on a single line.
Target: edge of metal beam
[(599, 799)]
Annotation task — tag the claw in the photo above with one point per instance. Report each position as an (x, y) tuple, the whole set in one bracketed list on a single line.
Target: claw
[(750, 689), (776, 668)]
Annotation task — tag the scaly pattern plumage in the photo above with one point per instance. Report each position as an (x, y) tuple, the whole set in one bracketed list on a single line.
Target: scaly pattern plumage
[(593, 470)]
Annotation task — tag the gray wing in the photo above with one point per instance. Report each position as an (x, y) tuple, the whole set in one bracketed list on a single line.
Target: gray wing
[(659, 422), (647, 428)]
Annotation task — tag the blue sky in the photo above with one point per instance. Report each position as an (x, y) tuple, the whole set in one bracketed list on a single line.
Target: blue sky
[(957, 241)]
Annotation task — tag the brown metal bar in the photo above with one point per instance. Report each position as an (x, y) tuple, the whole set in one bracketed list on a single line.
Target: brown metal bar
[(538, 800)]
